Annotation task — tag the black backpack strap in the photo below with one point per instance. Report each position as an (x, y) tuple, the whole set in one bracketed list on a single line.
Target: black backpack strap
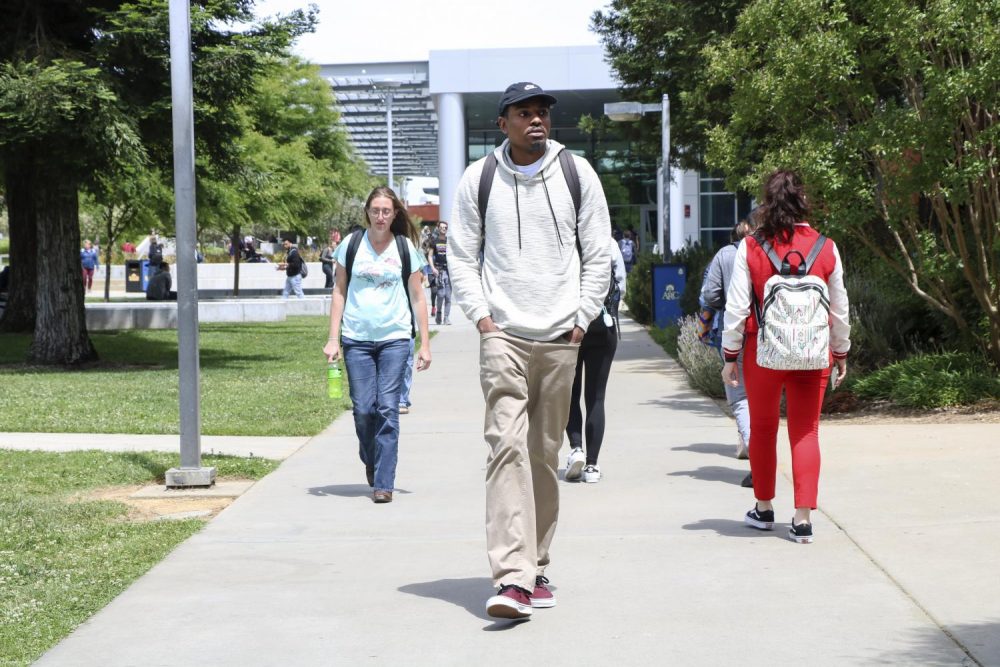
[(485, 185), (772, 255), (572, 178), (813, 255), (404, 259), (352, 251)]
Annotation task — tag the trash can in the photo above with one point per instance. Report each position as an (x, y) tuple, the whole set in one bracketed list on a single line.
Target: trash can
[(668, 285), (136, 275)]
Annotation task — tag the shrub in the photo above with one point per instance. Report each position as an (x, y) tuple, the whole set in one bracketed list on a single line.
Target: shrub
[(702, 362), (639, 289), (932, 381)]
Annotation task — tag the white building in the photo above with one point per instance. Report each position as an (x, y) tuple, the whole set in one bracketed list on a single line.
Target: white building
[(444, 117)]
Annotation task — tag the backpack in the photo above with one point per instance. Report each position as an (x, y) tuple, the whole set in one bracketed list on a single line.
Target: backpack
[(404, 257), (304, 270), (628, 250), (794, 319), (486, 184)]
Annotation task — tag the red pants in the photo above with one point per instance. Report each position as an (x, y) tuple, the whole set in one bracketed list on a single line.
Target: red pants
[(88, 279), (803, 399)]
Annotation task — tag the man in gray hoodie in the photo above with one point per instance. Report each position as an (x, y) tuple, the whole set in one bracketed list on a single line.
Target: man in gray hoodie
[(544, 275)]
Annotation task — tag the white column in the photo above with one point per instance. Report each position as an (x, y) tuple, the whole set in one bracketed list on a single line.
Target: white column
[(677, 236), (452, 148)]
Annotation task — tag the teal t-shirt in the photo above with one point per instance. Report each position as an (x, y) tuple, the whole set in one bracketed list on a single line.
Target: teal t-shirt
[(376, 307)]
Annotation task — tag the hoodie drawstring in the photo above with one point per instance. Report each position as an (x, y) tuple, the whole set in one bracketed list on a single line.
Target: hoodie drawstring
[(555, 222)]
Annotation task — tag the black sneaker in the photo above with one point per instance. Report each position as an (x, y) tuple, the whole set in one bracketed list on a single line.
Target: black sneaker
[(801, 532), (747, 482), (760, 519)]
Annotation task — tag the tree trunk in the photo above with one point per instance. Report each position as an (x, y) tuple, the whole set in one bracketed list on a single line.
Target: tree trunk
[(19, 315), (60, 325), (236, 259)]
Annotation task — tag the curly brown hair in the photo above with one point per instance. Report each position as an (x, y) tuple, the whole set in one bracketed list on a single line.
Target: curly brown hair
[(785, 203)]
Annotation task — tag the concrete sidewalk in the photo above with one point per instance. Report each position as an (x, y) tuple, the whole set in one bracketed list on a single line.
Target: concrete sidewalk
[(264, 447), (652, 566)]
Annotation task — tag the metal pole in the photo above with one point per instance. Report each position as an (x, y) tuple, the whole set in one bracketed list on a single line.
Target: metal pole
[(388, 127), (190, 472), (663, 199)]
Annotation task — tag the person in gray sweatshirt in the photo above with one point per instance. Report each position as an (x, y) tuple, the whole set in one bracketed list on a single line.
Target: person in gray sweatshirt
[(543, 278)]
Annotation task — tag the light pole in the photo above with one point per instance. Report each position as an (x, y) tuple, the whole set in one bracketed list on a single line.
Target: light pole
[(388, 86), (631, 111)]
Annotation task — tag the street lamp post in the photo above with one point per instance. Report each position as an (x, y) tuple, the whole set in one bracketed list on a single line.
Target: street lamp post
[(632, 111), (388, 86)]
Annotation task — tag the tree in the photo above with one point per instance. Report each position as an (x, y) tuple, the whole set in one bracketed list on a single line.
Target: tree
[(84, 90), (889, 109), (657, 47)]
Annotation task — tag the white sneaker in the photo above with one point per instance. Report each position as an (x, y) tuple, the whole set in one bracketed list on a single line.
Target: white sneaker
[(742, 449), (592, 474), (574, 464)]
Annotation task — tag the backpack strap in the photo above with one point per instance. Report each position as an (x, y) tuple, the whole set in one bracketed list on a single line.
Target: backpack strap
[(404, 259), (486, 184), (813, 254), (352, 251)]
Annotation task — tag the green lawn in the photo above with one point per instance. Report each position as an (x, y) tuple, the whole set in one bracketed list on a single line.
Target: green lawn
[(256, 379), (63, 559)]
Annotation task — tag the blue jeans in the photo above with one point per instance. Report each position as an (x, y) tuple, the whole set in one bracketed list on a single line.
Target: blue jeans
[(375, 378), (404, 396), (293, 284)]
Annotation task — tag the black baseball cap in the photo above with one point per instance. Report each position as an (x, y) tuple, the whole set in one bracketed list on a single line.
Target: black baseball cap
[(518, 92)]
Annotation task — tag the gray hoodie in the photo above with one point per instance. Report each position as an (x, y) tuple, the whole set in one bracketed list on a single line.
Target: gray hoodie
[(532, 281)]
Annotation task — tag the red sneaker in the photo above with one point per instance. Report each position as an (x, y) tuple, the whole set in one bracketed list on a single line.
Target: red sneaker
[(509, 602), (542, 597)]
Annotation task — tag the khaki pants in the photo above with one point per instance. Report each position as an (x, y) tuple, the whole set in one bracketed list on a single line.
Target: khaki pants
[(527, 387)]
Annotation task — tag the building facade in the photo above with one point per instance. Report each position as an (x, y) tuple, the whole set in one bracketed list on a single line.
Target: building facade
[(444, 118)]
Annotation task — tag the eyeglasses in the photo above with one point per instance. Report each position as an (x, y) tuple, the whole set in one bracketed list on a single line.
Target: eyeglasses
[(381, 212)]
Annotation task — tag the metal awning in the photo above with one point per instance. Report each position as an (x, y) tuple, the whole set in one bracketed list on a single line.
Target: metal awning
[(363, 112)]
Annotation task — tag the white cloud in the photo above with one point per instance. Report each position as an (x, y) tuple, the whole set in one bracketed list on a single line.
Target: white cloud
[(399, 30)]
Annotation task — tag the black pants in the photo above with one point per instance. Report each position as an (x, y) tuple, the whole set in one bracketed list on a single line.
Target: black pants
[(328, 271), (593, 366)]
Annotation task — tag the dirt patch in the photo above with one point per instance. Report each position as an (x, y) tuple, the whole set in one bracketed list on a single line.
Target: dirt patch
[(152, 509)]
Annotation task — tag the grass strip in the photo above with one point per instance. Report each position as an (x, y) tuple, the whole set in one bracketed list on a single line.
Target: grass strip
[(265, 379), (61, 558)]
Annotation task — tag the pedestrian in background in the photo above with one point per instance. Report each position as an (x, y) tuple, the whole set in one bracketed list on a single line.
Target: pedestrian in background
[(543, 277), (90, 262), (292, 266), (371, 309), (784, 229), (326, 258), (593, 368), (438, 260), (714, 287)]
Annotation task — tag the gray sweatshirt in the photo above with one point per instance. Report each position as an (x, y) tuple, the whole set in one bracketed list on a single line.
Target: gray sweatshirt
[(532, 280)]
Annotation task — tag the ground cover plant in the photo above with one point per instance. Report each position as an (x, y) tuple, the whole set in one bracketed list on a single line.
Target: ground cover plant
[(256, 379), (932, 381), (64, 556), (702, 362)]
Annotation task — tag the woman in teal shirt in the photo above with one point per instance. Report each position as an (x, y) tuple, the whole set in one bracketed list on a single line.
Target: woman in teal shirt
[(371, 311)]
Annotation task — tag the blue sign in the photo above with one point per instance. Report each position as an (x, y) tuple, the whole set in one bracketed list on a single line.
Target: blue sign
[(668, 285)]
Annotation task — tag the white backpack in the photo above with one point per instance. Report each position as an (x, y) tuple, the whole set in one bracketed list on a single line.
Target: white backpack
[(794, 319)]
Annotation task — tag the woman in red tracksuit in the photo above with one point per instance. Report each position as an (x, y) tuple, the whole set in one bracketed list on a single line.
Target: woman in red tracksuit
[(782, 222)]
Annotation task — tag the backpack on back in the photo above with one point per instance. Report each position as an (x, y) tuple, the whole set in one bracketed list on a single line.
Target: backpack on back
[(794, 319), (404, 260), (628, 250), (304, 271)]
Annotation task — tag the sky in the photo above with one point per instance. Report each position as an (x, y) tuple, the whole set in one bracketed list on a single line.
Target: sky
[(356, 31)]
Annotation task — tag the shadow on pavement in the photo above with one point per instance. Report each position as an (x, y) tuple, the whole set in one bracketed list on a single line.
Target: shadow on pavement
[(347, 490), (977, 638), (733, 528), (713, 474), (470, 593), (729, 451)]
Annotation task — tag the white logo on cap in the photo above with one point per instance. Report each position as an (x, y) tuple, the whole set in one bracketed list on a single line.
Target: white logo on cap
[(530, 86)]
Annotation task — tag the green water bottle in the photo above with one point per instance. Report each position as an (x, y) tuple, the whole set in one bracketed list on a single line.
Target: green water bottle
[(334, 388)]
